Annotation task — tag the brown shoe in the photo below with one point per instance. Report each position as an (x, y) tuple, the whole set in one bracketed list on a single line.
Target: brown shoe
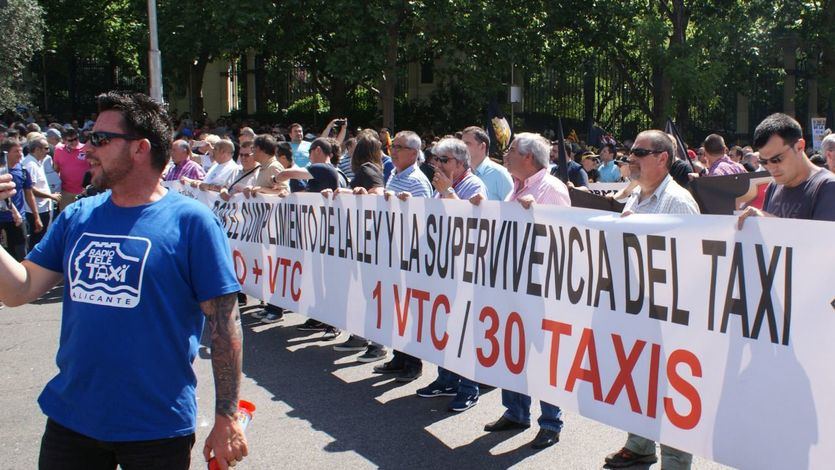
[(627, 458)]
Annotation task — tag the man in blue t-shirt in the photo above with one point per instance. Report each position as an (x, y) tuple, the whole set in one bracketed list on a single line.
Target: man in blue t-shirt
[(139, 264)]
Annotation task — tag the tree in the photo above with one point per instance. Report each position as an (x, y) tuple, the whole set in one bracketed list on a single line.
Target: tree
[(22, 22)]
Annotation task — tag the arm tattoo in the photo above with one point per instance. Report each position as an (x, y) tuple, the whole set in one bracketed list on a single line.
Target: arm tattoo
[(227, 352)]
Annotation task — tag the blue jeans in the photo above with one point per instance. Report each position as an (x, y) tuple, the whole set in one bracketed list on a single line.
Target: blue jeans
[(519, 410), (448, 378)]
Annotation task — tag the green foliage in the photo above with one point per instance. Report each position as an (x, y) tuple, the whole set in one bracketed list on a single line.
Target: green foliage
[(22, 22), (313, 108)]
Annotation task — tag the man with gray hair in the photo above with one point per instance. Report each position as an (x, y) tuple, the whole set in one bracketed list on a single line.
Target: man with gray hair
[(406, 181), (182, 164), (650, 160), (828, 148), (527, 160), (454, 180)]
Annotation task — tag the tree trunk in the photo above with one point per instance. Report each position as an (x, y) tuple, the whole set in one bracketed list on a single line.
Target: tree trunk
[(661, 92), (678, 43), (196, 85)]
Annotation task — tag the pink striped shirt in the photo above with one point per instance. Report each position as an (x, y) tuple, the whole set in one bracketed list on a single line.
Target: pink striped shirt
[(544, 188)]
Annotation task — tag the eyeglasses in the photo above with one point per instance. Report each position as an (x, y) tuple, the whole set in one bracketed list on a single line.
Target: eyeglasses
[(442, 159), (400, 147), (102, 138), (641, 153), (72, 139), (775, 160)]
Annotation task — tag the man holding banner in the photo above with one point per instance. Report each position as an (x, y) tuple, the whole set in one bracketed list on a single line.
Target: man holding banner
[(650, 160), (527, 160)]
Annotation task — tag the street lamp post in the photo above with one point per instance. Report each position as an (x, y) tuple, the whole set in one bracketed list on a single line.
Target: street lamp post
[(154, 62)]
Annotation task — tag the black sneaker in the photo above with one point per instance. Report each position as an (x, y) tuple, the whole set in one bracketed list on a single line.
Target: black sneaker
[(389, 367), (331, 332), (259, 314), (272, 318), (312, 325), (352, 344), (435, 390), (463, 402), (372, 354)]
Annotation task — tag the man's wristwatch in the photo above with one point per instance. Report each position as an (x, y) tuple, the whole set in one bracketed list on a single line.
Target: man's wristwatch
[(450, 191)]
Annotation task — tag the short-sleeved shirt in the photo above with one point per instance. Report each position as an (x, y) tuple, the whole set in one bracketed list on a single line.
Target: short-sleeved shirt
[(324, 176), (812, 199), (188, 168), (131, 321), (245, 178), (72, 164), (725, 166), (39, 182), (22, 181), (368, 176), (544, 188), (222, 174), (52, 176), (300, 156), (388, 168), (270, 168), (466, 186), (668, 198), (608, 173), (411, 180), (496, 178)]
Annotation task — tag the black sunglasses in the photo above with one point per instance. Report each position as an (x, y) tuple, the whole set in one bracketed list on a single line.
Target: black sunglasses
[(775, 160), (641, 153), (101, 138)]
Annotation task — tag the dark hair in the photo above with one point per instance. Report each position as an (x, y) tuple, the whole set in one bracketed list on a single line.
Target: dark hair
[(479, 135), (142, 117), (778, 124), (612, 148), (336, 151), (284, 149), (322, 143), (294, 125), (8, 144), (266, 143), (368, 149), (714, 144)]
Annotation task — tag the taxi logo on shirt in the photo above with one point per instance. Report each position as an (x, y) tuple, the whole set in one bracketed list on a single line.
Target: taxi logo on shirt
[(107, 269)]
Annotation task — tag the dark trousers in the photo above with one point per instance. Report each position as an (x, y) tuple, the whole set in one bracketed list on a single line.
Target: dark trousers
[(407, 361), (34, 238), (65, 449), (15, 239)]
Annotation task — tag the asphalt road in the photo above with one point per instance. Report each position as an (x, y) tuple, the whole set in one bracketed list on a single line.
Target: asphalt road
[(316, 408)]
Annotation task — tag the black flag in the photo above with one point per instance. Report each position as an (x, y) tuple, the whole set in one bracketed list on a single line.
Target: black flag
[(562, 161), (670, 128)]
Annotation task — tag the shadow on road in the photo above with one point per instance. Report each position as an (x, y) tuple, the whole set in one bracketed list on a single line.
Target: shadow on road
[(390, 435)]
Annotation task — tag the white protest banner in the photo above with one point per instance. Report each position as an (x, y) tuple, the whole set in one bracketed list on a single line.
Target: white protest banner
[(678, 328), (818, 128), (602, 189)]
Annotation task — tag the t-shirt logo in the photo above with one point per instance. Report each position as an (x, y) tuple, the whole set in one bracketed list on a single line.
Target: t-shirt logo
[(107, 269)]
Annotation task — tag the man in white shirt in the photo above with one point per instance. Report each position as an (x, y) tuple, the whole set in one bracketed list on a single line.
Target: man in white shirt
[(34, 164), (223, 173)]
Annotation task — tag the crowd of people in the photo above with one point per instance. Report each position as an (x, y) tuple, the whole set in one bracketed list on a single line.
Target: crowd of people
[(274, 162)]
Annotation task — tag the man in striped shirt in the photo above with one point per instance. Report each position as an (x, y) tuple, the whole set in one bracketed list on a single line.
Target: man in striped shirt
[(406, 181), (183, 166)]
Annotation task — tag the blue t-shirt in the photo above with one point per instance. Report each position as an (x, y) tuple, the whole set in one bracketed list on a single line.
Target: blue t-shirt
[(133, 282), (22, 181)]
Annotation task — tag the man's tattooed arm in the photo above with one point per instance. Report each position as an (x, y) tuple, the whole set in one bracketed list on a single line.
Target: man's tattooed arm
[(227, 352)]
